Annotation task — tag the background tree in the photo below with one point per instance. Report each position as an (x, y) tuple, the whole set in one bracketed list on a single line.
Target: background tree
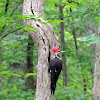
[(31, 83), (96, 87), (63, 44)]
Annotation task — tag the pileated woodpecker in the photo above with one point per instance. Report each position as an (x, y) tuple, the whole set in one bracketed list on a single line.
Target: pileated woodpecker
[(55, 68)]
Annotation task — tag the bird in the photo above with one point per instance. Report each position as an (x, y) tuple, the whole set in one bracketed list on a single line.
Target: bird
[(55, 68)]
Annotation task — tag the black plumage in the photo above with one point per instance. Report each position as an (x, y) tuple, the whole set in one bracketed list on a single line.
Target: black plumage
[(55, 69)]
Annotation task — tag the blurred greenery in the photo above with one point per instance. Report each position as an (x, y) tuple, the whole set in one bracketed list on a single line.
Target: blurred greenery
[(78, 15)]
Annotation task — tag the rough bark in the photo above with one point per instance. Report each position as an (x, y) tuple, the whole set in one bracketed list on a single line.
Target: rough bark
[(63, 44), (96, 87), (45, 39), (29, 67)]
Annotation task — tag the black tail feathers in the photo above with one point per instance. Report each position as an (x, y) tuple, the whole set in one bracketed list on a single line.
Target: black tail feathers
[(53, 88)]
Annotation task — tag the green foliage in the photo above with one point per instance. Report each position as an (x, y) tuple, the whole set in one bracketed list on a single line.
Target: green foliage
[(29, 28), (15, 90), (30, 74), (91, 39), (77, 15)]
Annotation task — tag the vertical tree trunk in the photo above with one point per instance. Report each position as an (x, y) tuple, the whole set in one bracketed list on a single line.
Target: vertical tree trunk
[(29, 68), (96, 87), (45, 39), (76, 46), (63, 44)]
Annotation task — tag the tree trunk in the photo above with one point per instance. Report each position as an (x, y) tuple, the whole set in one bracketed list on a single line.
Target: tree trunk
[(96, 87), (30, 80), (45, 39), (63, 44)]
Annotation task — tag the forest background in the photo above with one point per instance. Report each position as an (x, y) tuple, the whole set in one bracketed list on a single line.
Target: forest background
[(81, 21)]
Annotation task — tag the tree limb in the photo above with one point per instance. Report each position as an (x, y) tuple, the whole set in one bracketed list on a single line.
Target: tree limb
[(3, 36), (15, 8)]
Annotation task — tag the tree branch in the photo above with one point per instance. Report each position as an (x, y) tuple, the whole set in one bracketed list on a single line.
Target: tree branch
[(74, 36), (15, 8), (9, 16), (3, 36)]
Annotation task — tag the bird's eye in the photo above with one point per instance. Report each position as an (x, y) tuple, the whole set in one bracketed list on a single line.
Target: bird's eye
[(58, 51)]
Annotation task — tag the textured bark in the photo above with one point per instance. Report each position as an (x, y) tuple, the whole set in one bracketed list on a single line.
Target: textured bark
[(45, 39), (29, 68), (96, 87), (63, 44)]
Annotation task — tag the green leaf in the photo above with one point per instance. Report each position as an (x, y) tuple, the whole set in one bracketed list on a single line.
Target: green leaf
[(39, 16), (69, 4), (45, 19), (32, 15), (15, 88), (16, 45), (30, 74), (29, 28), (91, 39), (82, 9), (4, 72), (84, 70), (55, 20)]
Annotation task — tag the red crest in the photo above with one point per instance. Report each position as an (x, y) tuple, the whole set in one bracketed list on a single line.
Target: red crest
[(55, 50)]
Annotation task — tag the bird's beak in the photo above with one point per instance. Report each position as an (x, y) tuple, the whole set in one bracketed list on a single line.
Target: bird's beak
[(63, 51)]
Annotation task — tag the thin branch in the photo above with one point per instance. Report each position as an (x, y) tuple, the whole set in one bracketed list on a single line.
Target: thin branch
[(75, 40), (3, 36), (15, 8), (9, 16)]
